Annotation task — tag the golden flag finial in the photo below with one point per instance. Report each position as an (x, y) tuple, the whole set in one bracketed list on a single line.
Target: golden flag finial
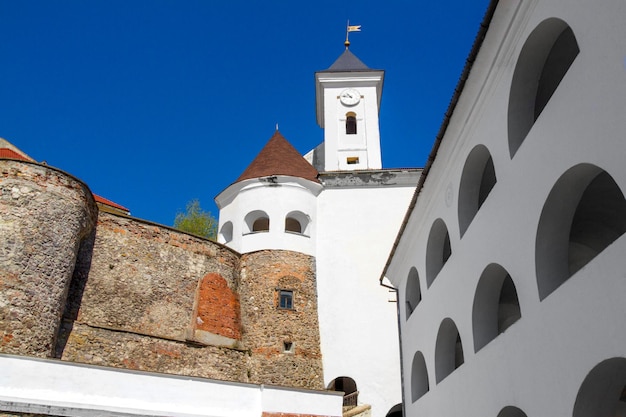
[(353, 28)]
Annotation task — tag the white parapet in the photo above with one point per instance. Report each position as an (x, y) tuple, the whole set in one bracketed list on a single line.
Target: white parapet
[(58, 388)]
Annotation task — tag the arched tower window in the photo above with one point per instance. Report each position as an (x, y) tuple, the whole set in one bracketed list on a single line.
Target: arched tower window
[(256, 221), (292, 225), (438, 250), (261, 225), (543, 62), (584, 213), (477, 180), (412, 294), (297, 222), (351, 123), (496, 306)]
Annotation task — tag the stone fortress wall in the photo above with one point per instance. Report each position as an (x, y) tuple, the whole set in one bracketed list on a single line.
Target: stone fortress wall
[(112, 290)]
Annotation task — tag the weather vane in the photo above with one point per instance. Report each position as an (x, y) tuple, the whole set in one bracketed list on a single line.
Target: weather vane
[(354, 28)]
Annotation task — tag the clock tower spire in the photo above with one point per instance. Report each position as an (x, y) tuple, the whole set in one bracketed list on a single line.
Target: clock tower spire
[(348, 98)]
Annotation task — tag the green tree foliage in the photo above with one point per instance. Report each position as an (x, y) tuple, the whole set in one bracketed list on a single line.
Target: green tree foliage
[(196, 221)]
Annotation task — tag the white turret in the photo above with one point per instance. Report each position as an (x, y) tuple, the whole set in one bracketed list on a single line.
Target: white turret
[(272, 205)]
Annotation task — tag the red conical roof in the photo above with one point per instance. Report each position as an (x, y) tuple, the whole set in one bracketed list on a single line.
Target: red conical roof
[(279, 157)]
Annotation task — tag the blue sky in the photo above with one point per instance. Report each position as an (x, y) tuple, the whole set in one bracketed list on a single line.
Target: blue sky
[(153, 103)]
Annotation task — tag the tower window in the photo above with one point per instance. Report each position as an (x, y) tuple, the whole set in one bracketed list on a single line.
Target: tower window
[(351, 123), (288, 347), (285, 300), (261, 225), (352, 160)]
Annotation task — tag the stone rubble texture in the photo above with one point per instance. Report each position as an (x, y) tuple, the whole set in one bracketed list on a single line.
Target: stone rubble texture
[(112, 290)]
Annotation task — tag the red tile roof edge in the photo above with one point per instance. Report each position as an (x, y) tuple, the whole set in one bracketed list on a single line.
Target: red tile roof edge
[(11, 154), (103, 200)]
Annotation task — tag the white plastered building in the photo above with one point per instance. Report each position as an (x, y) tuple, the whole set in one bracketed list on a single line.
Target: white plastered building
[(338, 204), (510, 263)]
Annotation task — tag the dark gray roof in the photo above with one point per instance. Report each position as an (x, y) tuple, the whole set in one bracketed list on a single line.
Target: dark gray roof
[(347, 61)]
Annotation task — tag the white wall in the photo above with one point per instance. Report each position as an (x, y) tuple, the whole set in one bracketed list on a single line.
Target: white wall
[(540, 362), (277, 199), (366, 143), (358, 324), (60, 388)]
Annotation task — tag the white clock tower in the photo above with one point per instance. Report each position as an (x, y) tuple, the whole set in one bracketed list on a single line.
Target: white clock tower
[(348, 100)]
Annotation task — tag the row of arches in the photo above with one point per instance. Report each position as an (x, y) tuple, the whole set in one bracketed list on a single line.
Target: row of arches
[(544, 60), (258, 221), (601, 394), (495, 308), (584, 213)]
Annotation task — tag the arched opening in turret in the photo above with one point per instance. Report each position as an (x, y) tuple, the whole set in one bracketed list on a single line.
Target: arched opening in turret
[(292, 225), (226, 233), (261, 225), (256, 221), (351, 123), (297, 222), (348, 386)]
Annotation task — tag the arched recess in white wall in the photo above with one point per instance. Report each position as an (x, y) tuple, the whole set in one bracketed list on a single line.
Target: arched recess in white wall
[(438, 250), (496, 306), (477, 180), (256, 221), (395, 411), (448, 350), (297, 222), (585, 212), (349, 388), (412, 295), (543, 62), (603, 392), (511, 411), (419, 377), (226, 233)]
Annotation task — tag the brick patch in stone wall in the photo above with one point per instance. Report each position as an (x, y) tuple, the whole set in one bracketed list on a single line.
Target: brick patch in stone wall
[(217, 307)]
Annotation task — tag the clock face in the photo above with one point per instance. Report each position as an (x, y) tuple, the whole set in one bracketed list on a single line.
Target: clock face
[(350, 97)]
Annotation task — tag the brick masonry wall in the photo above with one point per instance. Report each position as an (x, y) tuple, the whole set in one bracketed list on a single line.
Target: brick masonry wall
[(136, 292), (44, 215), (217, 307), (143, 277), (267, 327), (131, 294)]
